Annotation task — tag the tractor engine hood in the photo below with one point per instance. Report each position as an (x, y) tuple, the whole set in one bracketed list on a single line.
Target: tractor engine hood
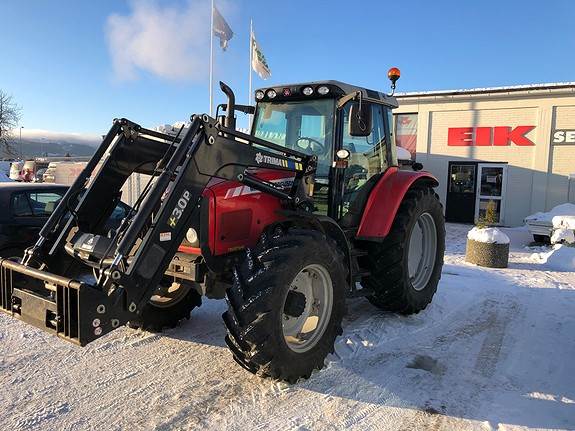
[(238, 214)]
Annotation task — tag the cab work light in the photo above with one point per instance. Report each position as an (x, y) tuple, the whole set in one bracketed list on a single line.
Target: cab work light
[(259, 95), (323, 90), (271, 93), (307, 91)]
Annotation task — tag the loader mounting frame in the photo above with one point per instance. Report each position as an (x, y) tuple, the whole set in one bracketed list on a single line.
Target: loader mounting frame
[(38, 291)]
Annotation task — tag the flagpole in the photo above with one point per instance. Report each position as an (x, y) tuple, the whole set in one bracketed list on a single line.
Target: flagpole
[(212, 60), (251, 59), (250, 80)]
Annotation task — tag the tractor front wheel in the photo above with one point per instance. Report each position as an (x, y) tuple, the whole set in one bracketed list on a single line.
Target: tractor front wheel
[(286, 304), (406, 267), (172, 302)]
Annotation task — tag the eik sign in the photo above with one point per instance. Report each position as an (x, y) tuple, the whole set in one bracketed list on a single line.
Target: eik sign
[(500, 136)]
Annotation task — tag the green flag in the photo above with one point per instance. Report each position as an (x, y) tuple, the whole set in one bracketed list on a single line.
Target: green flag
[(259, 63)]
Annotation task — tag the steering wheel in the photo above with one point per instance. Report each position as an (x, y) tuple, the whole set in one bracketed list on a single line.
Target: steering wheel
[(311, 143)]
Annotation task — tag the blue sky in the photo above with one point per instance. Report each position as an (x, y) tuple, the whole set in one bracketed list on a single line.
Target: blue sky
[(75, 65)]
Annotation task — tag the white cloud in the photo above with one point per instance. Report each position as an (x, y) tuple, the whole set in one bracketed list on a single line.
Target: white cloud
[(169, 41)]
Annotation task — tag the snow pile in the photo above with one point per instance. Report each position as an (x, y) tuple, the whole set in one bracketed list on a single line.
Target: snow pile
[(565, 217), (490, 235), (559, 214), (561, 258), (565, 222), (562, 235)]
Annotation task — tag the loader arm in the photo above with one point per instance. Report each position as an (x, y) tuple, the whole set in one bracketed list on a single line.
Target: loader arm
[(139, 253)]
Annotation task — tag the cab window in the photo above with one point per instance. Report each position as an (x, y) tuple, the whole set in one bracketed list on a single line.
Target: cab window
[(305, 126)]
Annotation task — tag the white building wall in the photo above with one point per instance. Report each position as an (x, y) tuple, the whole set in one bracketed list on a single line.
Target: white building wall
[(538, 176)]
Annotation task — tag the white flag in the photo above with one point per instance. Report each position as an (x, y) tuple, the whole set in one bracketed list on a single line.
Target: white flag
[(259, 63)]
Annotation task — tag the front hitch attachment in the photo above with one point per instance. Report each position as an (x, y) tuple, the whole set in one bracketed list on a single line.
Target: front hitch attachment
[(70, 309)]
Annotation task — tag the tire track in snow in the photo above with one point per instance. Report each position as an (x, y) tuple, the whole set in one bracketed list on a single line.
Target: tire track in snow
[(41, 416), (491, 347), (489, 317)]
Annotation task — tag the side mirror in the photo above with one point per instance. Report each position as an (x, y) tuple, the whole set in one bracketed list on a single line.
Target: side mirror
[(360, 119)]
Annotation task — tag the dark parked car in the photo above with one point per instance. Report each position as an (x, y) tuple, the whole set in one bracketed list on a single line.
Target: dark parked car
[(25, 207)]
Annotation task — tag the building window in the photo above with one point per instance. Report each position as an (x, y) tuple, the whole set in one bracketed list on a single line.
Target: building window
[(406, 132)]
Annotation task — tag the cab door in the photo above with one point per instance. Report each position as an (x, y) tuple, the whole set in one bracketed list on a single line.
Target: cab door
[(369, 157)]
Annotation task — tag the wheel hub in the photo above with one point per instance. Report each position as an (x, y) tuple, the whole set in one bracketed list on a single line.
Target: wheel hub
[(307, 308), (422, 251), (295, 304)]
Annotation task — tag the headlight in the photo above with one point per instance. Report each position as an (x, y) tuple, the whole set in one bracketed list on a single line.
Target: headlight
[(271, 93), (323, 90), (343, 154), (259, 95), (192, 237), (307, 91)]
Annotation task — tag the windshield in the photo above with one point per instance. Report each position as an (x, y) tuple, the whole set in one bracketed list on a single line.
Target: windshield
[(305, 126)]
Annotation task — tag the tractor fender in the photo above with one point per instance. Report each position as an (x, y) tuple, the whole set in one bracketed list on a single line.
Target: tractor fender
[(385, 198), (327, 226)]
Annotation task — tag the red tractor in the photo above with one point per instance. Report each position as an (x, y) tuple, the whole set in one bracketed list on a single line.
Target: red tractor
[(286, 223)]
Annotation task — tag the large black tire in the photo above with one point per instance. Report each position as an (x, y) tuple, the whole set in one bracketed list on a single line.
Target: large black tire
[(158, 315), (387, 261), (255, 314)]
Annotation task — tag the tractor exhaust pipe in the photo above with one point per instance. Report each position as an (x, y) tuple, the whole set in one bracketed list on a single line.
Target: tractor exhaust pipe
[(230, 121)]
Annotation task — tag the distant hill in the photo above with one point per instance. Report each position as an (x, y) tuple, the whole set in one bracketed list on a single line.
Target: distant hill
[(34, 148)]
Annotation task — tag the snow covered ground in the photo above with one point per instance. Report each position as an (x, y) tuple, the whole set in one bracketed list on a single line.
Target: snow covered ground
[(495, 350)]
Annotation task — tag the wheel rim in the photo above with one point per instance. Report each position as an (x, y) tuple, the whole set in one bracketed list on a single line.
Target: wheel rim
[(302, 332), (422, 251), (167, 296)]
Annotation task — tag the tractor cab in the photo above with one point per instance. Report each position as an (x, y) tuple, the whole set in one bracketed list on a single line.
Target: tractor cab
[(347, 128)]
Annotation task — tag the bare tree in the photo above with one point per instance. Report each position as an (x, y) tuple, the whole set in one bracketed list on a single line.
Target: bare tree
[(9, 120)]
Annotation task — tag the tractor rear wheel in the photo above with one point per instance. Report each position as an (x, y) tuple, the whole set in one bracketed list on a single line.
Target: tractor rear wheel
[(171, 303), (406, 267), (286, 304)]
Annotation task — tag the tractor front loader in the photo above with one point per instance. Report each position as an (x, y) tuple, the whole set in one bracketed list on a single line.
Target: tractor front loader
[(286, 222)]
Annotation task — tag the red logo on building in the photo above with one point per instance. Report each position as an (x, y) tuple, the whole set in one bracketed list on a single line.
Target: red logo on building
[(405, 120), (488, 136)]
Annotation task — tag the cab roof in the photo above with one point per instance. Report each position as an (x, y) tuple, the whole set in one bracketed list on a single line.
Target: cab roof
[(336, 87)]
